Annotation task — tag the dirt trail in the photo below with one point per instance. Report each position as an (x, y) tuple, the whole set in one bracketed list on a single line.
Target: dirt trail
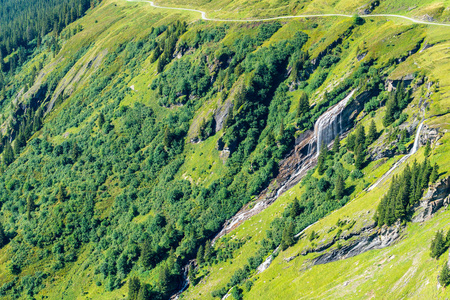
[(204, 17)]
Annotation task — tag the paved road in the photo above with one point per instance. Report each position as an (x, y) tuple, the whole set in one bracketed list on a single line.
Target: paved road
[(204, 17)]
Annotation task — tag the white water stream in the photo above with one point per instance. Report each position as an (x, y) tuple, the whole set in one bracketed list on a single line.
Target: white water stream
[(413, 150)]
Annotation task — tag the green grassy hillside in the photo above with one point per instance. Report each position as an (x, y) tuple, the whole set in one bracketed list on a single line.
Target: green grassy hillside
[(130, 137)]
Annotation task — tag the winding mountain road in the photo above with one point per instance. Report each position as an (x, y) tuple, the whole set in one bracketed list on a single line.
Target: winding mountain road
[(204, 17)]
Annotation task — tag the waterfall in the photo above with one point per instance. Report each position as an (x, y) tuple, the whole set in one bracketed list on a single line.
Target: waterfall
[(413, 150), (416, 140), (329, 124)]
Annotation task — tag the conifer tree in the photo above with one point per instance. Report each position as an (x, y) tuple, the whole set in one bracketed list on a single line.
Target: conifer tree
[(427, 149), (321, 160), (360, 136), (287, 237), (208, 252), (8, 154), (145, 292), (147, 255), (163, 279), (200, 255), (438, 245), (281, 134), (191, 275), (295, 209), (160, 65), (3, 239), (351, 142), (434, 173), (391, 109), (444, 276), (303, 105), (30, 206), (336, 144), (339, 187), (229, 119), (134, 285), (372, 134), (359, 160), (100, 120)]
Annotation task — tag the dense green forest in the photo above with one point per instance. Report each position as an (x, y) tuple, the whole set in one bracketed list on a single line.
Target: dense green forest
[(124, 182), (25, 23)]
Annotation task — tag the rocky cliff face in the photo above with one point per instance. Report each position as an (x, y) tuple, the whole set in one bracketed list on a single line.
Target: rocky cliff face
[(436, 197), (369, 239)]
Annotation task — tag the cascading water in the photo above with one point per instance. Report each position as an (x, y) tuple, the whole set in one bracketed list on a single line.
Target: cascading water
[(327, 126), (413, 150)]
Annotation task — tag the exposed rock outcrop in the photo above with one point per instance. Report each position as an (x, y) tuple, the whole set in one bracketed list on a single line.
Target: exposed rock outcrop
[(437, 196), (374, 239), (221, 114)]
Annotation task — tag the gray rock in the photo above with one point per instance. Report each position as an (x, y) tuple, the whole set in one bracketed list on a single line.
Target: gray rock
[(221, 114), (436, 197)]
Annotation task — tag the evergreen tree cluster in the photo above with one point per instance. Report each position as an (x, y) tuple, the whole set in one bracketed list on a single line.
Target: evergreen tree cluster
[(397, 101), (439, 244), (444, 276), (359, 141), (404, 192), (23, 25)]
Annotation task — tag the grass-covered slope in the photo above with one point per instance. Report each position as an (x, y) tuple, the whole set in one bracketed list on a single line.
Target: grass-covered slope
[(426, 10), (127, 146)]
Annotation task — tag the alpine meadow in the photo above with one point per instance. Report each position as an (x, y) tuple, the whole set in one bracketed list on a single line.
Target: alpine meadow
[(224, 149)]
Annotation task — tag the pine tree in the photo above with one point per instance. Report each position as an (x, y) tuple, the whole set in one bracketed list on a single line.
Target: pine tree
[(160, 65), (434, 173), (100, 120), (30, 206), (200, 255), (3, 239), (444, 277), (336, 144), (145, 292), (359, 160), (381, 212), (295, 209), (391, 109), (303, 105), (351, 142), (191, 275), (321, 160), (287, 237), (438, 245), (133, 288), (163, 279), (281, 134), (8, 154), (147, 254), (167, 138), (399, 212), (360, 136), (75, 151), (229, 119), (208, 252), (339, 187), (372, 134), (427, 149)]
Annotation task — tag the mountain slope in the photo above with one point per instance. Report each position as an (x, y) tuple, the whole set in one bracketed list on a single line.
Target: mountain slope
[(146, 129)]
